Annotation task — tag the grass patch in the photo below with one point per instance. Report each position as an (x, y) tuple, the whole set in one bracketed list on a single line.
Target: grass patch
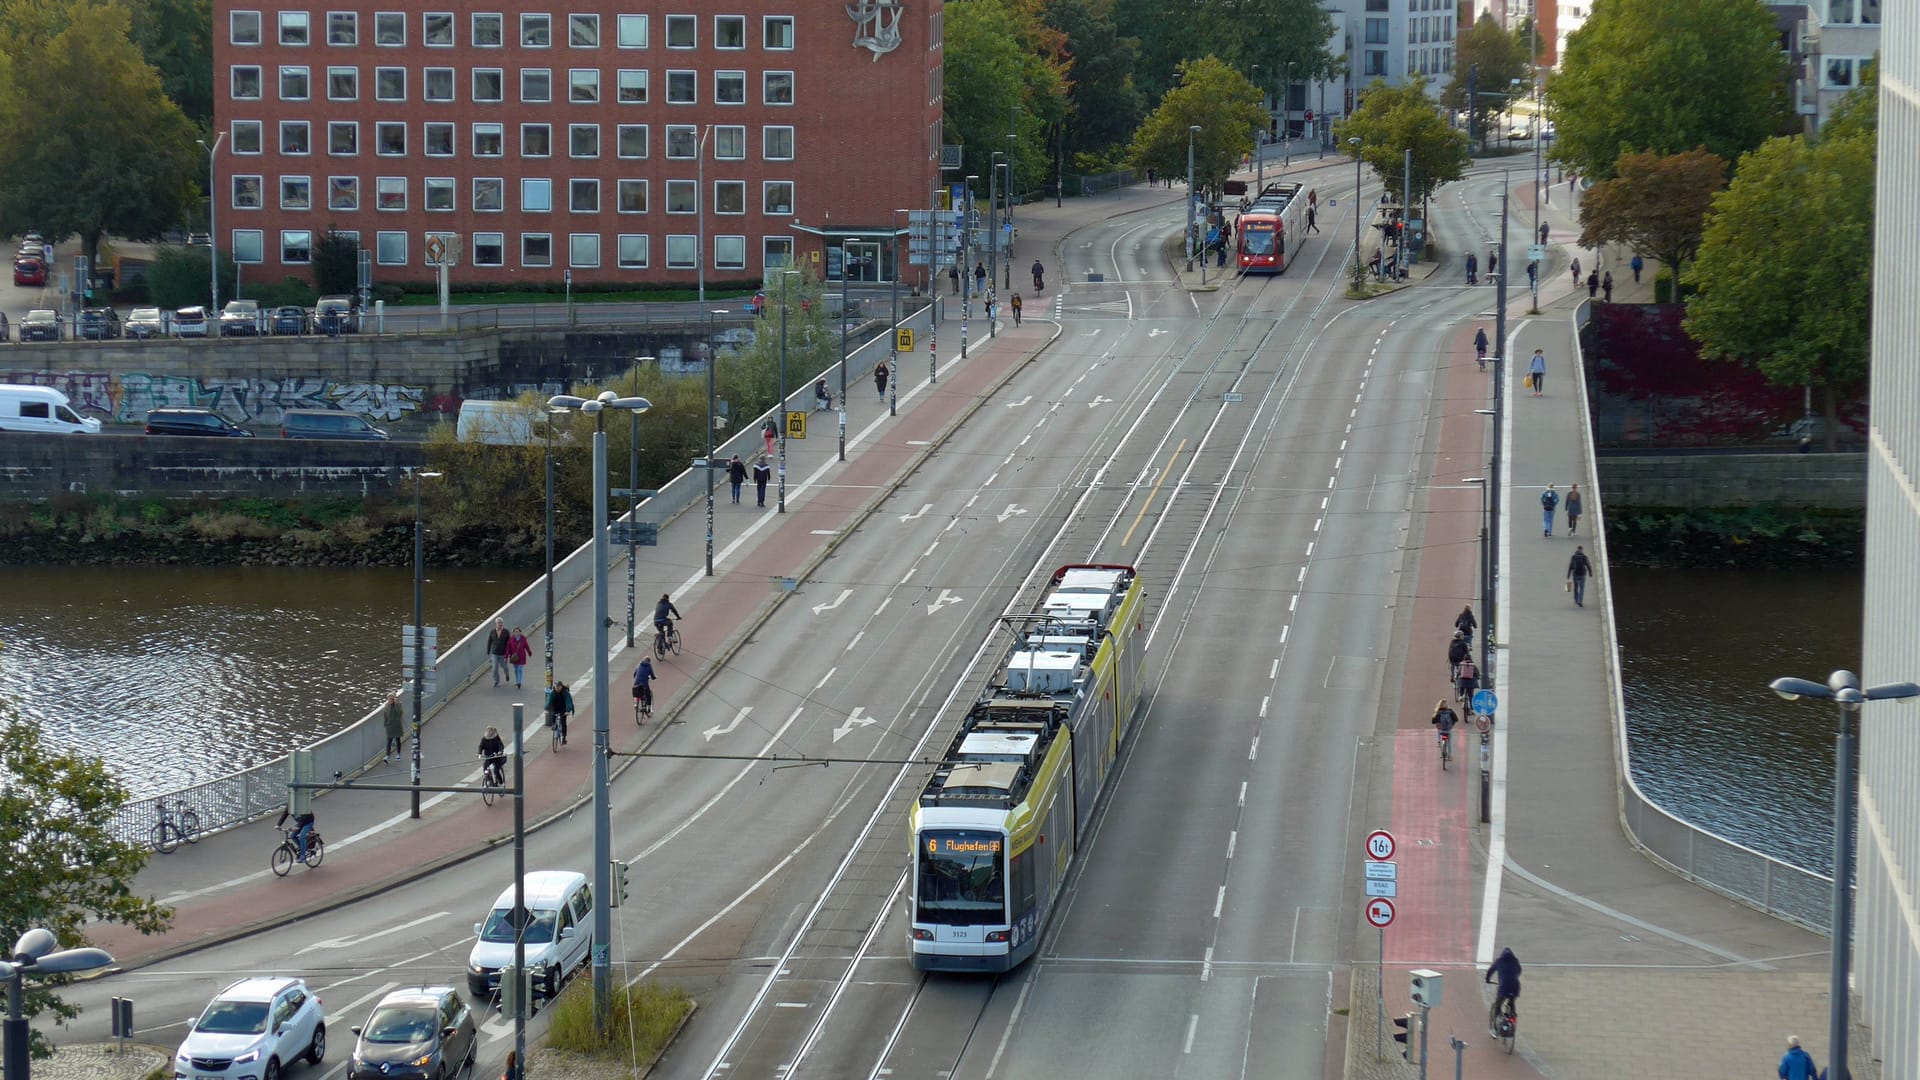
[(641, 1018)]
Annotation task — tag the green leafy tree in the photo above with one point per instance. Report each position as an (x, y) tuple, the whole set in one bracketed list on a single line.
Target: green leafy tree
[(1858, 114), (93, 145), (1785, 273), (1103, 105), (1665, 77), (178, 277), (176, 37), (1003, 70), (1227, 109), (64, 868), (1268, 34), (1654, 204), (1499, 58), (336, 264), (1394, 119)]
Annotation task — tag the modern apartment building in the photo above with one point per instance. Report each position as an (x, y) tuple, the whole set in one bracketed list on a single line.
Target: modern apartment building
[(612, 139), (1829, 44)]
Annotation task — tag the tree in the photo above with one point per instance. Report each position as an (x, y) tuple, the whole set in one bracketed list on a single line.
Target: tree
[(1785, 273), (1665, 77), (1103, 105), (178, 277), (1394, 119), (176, 37), (1494, 59), (1226, 107), (336, 264), (1858, 114), (93, 144), (1269, 34), (1003, 69), (1654, 204), (64, 868)]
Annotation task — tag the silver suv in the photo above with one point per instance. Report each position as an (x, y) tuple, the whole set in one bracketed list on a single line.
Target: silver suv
[(253, 1030)]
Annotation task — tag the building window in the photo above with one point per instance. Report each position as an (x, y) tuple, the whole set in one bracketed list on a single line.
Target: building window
[(776, 252), (683, 197), (243, 28), (583, 196), (683, 87), (390, 248), (632, 140), (536, 31), (583, 140), (776, 87), (245, 84), (293, 84), (730, 87), (488, 140), (489, 249), (730, 252), (436, 28), (536, 85), (776, 143), (1375, 62), (343, 138), (729, 143), (681, 251), (436, 84), (343, 28), (487, 84), (343, 84), (296, 193), (776, 197), (633, 31), (683, 32), (390, 139), (438, 140), (729, 196), (247, 192), (439, 193), (343, 193), (683, 142), (1842, 73), (296, 246), (583, 86), (390, 28), (294, 28), (536, 140), (729, 32), (489, 193), (583, 31), (776, 32), (246, 137), (390, 192), (488, 31), (536, 196), (536, 249), (631, 251), (296, 137), (583, 249), (390, 84), (249, 246), (630, 86), (631, 196)]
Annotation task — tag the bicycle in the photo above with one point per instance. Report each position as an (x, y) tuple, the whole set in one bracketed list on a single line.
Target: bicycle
[(288, 852), (666, 640), (643, 705), (492, 776), (553, 731), (1446, 749), (173, 827), (1505, 1025)]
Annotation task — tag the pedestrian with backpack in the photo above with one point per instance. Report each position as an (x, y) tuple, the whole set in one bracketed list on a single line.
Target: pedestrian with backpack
[(1549, 502)]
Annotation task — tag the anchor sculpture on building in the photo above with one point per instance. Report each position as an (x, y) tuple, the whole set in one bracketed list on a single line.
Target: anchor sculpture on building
[(878, 23)]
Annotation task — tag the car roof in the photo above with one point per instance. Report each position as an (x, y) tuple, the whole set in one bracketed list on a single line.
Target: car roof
[(195, 409), (258, 988), (545, 888), (41, 311), (418, 995), (145, 311)]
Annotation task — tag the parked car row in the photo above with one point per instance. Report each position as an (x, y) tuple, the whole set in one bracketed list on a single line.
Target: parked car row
[(260, 1027), (44, 409), (239, 318)]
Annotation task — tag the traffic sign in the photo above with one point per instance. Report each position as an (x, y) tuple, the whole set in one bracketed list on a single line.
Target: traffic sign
[(1485, 703), (1382, 871), (903, 339), (1382, 888), (1380, 845), (1380, 912)]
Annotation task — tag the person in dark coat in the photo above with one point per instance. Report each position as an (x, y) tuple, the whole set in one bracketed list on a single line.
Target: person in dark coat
[(880, 378), (395, 723), (559, 707), (1457, 650), (1465, 622), (1796, 1063), (1507, 971), (736, 475), (761, 473), (497, 648), (1606, 287), (1573, 505), (1593, 284), (1579, 568)]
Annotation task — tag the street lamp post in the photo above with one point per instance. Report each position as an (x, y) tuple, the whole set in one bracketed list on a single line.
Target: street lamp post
[(713, 361), (893, 350), (1192, 130), (993, 235), (846, 300), (1286, 121), (602, 813), (213, 245), (550, 414), (633, 493), (1353, 144), (785, 277), (419, 624), (37, 952), (1843, 689), (1260, 140), (966, 272)]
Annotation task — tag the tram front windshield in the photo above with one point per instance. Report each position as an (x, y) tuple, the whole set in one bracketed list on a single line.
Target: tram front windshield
[(962, 877), (1255, 240)]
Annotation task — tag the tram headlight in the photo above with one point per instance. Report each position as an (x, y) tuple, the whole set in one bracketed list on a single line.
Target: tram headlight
[(921, 933), (999, 935)]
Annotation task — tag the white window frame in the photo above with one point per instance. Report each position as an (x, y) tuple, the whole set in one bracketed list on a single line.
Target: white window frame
[(768, 260), (294, 71), (385, 187), (249, 246), (725, 78), (536, 261), (447, 74), (353, 188), (766, 89), (446, 128), (300, 24), (689, 80), (766, 132), (628, 80), (382, 129), (536, 73), (734, 20), (683, 131), (679, 188), (621, 132), (626, 242), (288, 127), (499, 133), (499, 86), (583, 86), (259, 137), (352, 73), (683, 251), (384, 245), (238, 36), (289, 236), (426, 22), (767, 189), (733, 243), (499, 187), (626, 184), (234, 75), (343, 125), (583, 250), (767, 23), (577, 20), (298, 182), (737, 187), (736, 132), (250, 182), (380, 73), (443, 185), (528, 129), (574, 131), (530, 201), (631, 31), (497, 20), (531, 20), (499, 242), (677, 23), (350, 23), (576, 186), (392, 19)]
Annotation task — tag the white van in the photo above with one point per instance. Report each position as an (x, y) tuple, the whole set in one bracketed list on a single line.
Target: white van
[(500, 423), (41, 408), (559, 933)]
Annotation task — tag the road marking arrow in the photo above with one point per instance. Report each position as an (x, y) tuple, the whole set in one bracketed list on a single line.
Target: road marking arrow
[(731, 724), (915, 516), (854, 720), (355, 939), (1022, 401), (837, 601), (1099, 401), (1156, 332), (1012, 510), (946, 597)]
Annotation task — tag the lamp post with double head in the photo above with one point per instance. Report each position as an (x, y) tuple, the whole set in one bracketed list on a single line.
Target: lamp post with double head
[(420, 479), (846, 301), (966, 254), (713, 361), (1843, 689), (1353, 147), (786, 276), (993, 234), (37, 952), (633, 491), (551, 414), (1286, 120), (213, 233), (1192, 238), (893, 350), (1261, 138)]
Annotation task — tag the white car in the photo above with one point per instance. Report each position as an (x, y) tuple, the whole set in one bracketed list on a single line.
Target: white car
[(558, 934), (253, 1030)]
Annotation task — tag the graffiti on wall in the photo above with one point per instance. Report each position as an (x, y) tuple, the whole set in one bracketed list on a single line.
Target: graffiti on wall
[(129, 396)]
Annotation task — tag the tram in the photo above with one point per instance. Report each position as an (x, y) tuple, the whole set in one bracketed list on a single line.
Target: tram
[(1262, 230), (999, 821)]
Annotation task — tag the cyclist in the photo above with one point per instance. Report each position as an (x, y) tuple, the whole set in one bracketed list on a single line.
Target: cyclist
[(1443, 720), (663, 615), (1039, 276), (302, 828), (643, 677), (1480, 346), (1468, 678), (1507, 993), (559, 707), (1466, 623), (493, 751), (1457, 650), (822, 397)]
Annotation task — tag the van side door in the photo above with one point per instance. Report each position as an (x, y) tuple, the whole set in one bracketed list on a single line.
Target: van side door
[(582, 905)]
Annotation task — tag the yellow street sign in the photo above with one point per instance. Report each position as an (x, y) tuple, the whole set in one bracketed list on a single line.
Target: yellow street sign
[(796, 425), (903, 339)]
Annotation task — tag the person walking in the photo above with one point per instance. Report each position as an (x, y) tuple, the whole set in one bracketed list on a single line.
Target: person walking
[(1537, 371), (953, 275), (1579, 568), (1796, 1063), (559, 707), (1606, 287), (1533, 274), (736, 475), (1015, 304), (1549, 502), (771, 432), (1543, 232), (762, 472), (1473, 268), (1635, 264), (518, 650), (880, 379), (497, 648), (1312, 213), (1493, 264), (1573, 508), (1150, 176), (1593, 284), (395, 724), (980, 277), (1576, 273)]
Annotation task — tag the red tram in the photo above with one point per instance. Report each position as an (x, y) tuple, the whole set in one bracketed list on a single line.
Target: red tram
[(1262, 231)]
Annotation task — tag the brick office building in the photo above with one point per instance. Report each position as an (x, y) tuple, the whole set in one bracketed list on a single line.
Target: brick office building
[(575, 135)]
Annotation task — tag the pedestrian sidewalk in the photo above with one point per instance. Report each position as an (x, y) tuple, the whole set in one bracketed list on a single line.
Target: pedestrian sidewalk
[(221, 888)]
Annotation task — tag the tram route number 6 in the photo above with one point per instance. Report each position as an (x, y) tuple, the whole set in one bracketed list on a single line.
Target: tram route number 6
[(1380, 845)]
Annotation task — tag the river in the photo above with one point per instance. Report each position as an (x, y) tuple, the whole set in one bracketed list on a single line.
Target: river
[(176, 675)]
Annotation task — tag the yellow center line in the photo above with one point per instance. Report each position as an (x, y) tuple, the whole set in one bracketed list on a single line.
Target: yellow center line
[(1128, 538)]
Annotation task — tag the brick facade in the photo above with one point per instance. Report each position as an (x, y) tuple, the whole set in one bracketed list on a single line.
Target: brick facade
[(380, 118)]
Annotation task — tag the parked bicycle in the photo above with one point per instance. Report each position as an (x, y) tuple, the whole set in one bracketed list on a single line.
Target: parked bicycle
[(174, 826)]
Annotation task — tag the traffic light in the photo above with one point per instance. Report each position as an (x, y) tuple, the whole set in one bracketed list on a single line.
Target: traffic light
[(619, 884), (1426, 988), (514, 996), (1405, 1035)]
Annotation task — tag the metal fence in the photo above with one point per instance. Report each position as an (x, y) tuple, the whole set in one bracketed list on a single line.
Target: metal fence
[(1702, 856), (1109, 181)]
